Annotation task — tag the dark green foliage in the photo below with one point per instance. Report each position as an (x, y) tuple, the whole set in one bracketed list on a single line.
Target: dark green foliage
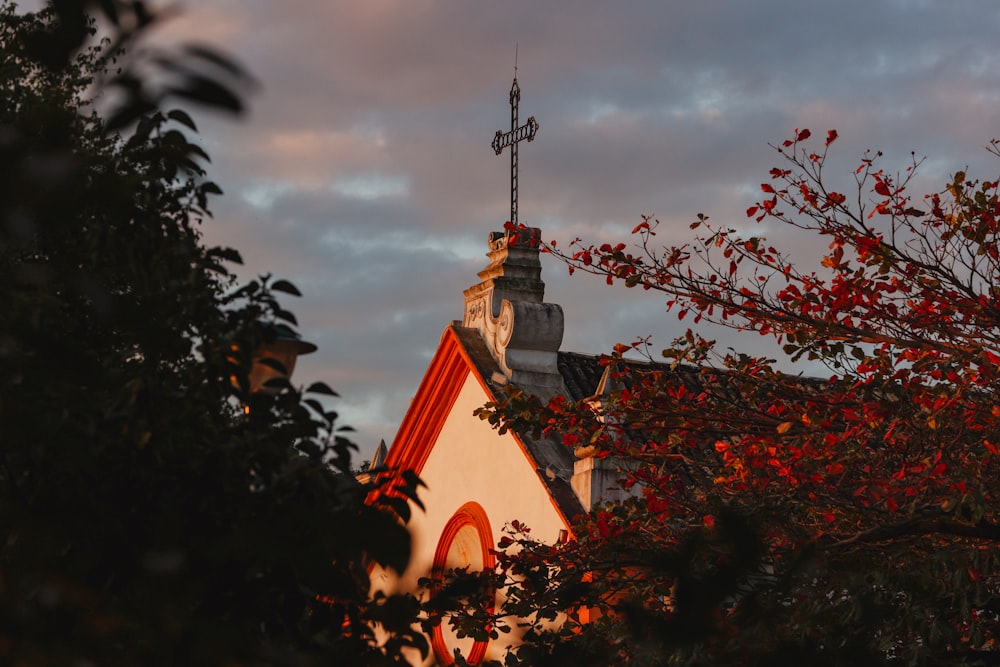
[(145, 518)]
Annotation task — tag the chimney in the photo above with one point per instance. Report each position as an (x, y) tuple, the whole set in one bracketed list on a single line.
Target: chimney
[(596, 480)]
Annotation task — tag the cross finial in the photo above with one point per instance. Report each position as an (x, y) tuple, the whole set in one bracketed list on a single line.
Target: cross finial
[(517, 134)]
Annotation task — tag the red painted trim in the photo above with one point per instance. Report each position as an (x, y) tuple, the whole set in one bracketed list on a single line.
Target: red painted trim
[(469, 514), (430, 406)]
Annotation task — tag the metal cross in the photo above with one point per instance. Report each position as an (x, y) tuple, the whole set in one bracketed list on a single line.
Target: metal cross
[(512, 138)]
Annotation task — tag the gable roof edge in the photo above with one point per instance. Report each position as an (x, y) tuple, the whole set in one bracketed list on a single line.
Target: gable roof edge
[(430, 406), (434, 400)]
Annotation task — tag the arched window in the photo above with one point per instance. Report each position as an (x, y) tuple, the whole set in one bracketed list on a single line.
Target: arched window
[(466, 542)]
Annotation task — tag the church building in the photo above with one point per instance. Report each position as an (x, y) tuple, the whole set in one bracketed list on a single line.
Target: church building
[(477, 479)]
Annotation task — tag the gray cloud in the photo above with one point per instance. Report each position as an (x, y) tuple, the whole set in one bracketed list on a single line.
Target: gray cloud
[(364, 172)]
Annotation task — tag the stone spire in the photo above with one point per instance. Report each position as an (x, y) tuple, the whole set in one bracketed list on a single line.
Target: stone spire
[(522, 333)]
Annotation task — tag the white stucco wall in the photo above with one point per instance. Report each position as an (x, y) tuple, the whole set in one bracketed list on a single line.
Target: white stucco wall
[(471, 462)]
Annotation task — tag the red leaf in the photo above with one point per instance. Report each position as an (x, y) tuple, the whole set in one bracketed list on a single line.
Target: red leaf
[(882, 189), (831, 136), (803, 135)]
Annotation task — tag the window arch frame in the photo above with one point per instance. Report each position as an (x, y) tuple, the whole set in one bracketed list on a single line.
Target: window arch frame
[(469, 514)]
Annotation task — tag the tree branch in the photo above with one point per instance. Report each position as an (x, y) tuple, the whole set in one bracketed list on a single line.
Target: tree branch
[(926, 524)]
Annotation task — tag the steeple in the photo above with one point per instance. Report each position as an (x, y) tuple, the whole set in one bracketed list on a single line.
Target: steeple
[(522, 332)]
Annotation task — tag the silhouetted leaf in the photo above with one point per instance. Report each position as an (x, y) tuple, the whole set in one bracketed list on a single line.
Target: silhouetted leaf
[(209, 92), (216, 58), (286, 287), (182, 117)]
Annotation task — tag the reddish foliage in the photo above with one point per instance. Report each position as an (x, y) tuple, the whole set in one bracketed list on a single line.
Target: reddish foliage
[(875, 485)]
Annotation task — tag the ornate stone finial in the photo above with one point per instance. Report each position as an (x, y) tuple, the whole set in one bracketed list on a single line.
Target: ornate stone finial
[(522, 333), (516, 135)]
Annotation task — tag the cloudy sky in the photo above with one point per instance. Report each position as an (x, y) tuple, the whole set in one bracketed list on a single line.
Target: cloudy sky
[(364, 173)]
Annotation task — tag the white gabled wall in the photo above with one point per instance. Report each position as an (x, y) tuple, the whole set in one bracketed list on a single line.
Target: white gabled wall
[(470, 461)]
